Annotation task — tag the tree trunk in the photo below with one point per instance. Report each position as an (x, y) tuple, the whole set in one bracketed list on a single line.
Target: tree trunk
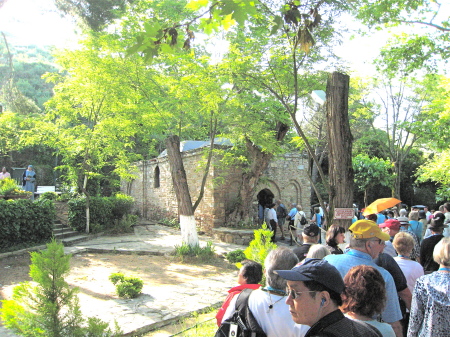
[(340, 146), (181, 188), (398, 179), (259, 161)]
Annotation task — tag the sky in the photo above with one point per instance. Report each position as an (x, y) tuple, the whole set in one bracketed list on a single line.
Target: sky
[(36, 22)]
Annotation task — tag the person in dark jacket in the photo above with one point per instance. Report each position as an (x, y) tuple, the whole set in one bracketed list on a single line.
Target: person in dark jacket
[(314, 295)]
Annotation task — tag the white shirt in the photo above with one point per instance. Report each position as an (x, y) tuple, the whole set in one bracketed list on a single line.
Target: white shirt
[(276, 322), (411, 269)]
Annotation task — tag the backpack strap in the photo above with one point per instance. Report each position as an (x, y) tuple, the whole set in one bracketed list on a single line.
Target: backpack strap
[(247, 315)]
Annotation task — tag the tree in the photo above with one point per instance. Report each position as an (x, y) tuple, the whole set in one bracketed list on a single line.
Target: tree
[(436, 170), (426, 24), (370, 172), (50, 309)]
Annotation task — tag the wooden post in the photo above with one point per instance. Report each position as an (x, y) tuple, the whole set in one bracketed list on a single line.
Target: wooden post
[(339, 146)]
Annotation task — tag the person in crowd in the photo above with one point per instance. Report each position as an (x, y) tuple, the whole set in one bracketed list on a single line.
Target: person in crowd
[(29, 179), (415, 254), (440, 217), (415, 225), (317, 218), (364, 297), (430, 310), (281, 216), (335, 237), (426, 249), (447, 212), (249, 277), (391, 227), (380, 218), (298, 225), (423, 220), (390, 215), (4, 174), (366, 243), (310, 237), (314, 291), (372, 217), (273, 221), (427, 212), (291, 215), (317, 252), (403, 212), (268, 304), (404, 244)]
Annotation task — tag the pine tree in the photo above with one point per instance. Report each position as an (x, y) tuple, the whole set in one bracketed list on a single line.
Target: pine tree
[(51, 308)]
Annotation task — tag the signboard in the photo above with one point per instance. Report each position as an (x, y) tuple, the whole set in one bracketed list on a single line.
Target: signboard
[(344, 213)]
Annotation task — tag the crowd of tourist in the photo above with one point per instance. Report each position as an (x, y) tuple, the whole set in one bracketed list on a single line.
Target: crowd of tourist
[(391, 279)]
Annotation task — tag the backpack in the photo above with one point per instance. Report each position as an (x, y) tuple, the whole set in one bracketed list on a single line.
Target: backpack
[(242, 323), (281, 212), (303, 221)]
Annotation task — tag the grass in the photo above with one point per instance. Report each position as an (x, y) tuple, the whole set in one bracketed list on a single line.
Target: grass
[(186, 252), (199, 325)]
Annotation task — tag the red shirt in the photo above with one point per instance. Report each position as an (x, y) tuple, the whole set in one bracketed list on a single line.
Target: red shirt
[(231, 293)]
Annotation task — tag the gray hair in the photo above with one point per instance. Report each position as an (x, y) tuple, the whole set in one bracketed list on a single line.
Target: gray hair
[(358, 243), (318, 252), (281, 258)]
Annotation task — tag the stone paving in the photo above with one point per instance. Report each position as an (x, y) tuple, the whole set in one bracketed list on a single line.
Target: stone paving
[(156, 306)]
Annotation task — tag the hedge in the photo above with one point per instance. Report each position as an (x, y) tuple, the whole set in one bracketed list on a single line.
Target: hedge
[(103, 212), (24, 222)]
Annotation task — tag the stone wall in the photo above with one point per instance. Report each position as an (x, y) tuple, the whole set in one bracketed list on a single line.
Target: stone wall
[(155, 197)]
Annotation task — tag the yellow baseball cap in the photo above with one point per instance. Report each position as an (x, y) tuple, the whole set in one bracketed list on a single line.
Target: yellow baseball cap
[(366, 229)]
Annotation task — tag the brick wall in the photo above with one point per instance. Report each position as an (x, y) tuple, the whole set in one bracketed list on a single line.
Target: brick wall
[(285, 177)]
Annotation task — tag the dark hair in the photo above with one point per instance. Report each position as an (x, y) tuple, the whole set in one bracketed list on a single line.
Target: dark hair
[(390, 213), (365, 291), (372, 217), (317, 210), (252, 271), (332, 232), (316, 286)]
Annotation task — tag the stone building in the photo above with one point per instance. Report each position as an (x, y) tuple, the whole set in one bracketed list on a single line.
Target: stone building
[(152, 189)]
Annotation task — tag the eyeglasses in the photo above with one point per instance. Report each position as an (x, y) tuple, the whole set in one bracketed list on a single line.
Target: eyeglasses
[(294, 294), (379, 241)]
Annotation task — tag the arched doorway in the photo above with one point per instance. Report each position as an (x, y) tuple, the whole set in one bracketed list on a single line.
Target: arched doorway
[(265, 197)]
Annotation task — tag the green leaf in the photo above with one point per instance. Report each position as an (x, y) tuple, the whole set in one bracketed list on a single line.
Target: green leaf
[(195, 5)]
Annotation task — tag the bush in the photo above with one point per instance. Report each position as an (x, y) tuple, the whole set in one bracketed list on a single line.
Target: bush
[(236, 256), (24, 222), (50, 309), (203, 253), (124, 225), (126, 287), (260, 246), (105, 212), (48, 196)]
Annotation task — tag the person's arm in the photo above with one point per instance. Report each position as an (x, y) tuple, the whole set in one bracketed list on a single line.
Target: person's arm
[(398, 329), (406, 296)]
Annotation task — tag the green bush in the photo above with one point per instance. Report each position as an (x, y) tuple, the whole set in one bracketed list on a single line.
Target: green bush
[(124, 225), (105, 212), (236, 256), (203, 253), (49, 196), (24, 222), (50, 308), (126, 287)]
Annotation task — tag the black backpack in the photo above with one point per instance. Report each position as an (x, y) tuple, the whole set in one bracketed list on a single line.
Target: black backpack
[(242, 323)]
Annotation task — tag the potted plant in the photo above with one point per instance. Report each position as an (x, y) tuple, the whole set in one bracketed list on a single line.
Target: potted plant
[(10, 190)]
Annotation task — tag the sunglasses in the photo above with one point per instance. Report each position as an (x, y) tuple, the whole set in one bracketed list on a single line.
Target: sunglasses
[(294, 294)]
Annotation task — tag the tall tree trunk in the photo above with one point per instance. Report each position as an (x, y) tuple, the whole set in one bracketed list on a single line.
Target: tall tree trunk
[(185, 210), (340, 146), (398, 179), (259, 161)]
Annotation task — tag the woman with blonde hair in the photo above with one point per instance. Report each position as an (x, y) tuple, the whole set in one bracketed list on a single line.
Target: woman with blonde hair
[(415, 225), (430, 308)]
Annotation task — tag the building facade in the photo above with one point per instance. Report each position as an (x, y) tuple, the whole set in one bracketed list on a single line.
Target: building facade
[(285, 178)]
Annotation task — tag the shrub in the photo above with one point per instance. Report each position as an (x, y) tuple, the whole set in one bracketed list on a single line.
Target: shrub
[(49, 196), (126, 287), (203, 253), (124, 225), (105, 212), (50, 309), (236, 256), (24, 222), (260, 246)]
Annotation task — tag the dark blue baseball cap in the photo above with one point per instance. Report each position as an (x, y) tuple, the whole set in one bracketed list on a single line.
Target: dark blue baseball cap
[(317, 270)]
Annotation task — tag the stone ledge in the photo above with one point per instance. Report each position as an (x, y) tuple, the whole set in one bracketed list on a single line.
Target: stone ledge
[(233, 235)]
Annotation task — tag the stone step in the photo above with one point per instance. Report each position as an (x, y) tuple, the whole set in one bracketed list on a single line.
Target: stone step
[(70, 241), (65, 234)]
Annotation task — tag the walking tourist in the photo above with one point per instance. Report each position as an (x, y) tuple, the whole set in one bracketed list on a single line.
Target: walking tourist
[(430, 310), (364, 297)]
